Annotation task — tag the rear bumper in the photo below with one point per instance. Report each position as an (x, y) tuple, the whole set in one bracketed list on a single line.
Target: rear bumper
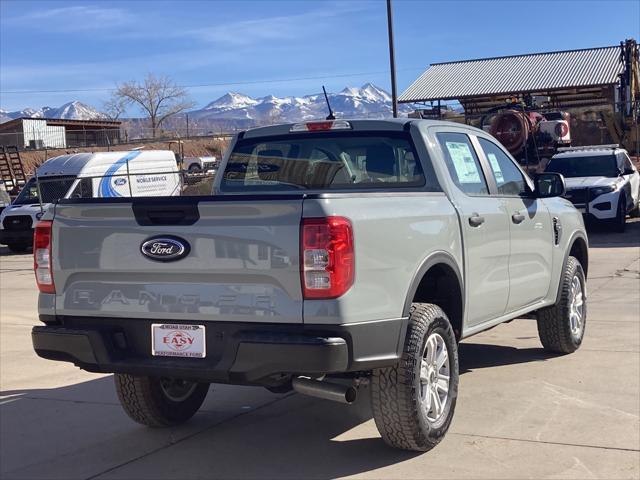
[(16, 236), (238, 353)]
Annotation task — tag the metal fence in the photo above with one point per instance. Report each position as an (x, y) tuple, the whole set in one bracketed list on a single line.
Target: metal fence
[(102, 138)]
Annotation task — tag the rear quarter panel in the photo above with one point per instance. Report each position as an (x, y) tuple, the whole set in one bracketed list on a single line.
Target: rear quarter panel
[(394, 233)]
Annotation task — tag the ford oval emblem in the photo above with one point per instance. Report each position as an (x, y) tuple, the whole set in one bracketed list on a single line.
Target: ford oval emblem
[(120, 181), (165, 248)]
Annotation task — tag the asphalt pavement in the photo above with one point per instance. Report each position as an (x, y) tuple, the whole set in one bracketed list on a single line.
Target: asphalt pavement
[(521, 412)]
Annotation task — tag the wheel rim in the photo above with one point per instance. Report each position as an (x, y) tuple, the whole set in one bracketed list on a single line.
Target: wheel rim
[(434, 377), (177, 390), (576, 308)]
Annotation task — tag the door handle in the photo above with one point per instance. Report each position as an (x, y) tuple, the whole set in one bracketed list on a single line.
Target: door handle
[(517, 218), (476, 220)]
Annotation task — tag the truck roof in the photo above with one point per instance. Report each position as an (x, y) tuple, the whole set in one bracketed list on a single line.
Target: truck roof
[(97, 163), (390, 124), (589, 151)]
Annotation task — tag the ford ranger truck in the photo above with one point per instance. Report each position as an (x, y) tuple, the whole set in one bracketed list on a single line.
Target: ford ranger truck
[(331, 255)]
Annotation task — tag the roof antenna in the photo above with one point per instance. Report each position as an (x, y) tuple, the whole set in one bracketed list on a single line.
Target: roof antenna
[(331, 116)]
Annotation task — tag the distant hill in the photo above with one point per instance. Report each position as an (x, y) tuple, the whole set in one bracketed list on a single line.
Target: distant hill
[(72, 111), (369, 101), (236, 110)]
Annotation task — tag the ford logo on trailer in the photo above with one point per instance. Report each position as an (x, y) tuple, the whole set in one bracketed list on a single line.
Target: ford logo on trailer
[(120, 181), (165, 248)]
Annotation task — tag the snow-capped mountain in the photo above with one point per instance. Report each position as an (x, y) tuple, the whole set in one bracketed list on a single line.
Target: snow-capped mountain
[(236, 110), (71, 111), (367, 101)]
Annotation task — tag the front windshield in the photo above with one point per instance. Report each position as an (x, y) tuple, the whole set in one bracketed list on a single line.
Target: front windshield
[(587, 166), (52, 189)]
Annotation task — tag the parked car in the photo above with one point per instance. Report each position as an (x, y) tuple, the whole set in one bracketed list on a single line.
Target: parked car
[(104, 174), (333, 254), (5, 199), (200, 164), (602, 182)]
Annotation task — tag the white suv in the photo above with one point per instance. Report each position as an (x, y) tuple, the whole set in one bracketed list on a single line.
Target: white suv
[(601, 182)]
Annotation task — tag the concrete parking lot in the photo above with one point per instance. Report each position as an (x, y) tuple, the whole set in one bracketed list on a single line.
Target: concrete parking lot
[(522, 413)]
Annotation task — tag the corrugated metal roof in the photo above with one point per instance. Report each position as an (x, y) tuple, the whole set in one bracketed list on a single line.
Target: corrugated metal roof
[(534, 72)]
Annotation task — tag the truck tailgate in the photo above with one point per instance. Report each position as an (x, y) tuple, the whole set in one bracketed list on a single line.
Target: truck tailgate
[(243, 263)]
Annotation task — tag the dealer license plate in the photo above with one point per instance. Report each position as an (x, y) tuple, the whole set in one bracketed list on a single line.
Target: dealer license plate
[(176, 340)]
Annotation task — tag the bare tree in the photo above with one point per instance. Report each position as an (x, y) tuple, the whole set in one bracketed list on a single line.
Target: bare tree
[(114, 107), (158, 97)]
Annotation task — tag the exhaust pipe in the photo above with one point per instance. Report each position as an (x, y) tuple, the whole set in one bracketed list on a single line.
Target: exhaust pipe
[(328, 391)]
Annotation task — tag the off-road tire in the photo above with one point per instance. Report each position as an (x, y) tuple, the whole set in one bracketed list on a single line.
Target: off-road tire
[(18, 247), (619, 223), (145, 401), (554, 328), (395, 391)]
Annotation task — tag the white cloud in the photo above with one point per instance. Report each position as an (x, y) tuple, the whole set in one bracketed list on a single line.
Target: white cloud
[(76, 18), (260, 31)]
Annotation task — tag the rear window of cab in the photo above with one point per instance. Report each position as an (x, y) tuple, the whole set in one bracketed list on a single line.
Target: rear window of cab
[(325, 161)]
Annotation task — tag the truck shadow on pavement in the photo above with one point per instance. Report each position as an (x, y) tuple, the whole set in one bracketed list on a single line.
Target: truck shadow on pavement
[(5, 252), (474, 356), (240, 432), (601, 236)]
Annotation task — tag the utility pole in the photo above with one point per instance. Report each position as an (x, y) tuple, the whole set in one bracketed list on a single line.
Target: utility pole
[(392, 61)]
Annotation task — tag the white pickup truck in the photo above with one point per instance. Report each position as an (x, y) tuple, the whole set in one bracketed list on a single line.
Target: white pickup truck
[(332, 255)]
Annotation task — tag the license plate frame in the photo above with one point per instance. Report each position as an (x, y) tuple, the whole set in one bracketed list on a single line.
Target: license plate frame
[(178, 340)]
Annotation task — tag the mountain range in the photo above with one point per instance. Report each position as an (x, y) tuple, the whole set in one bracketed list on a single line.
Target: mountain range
[(367, 101), (72, 111), (242, 110)]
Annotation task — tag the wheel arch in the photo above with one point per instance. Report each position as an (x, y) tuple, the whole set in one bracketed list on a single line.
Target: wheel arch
[(579, 249), (438, 280)]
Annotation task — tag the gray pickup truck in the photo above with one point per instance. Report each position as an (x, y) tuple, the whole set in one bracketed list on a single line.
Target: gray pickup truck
[(331, 255)]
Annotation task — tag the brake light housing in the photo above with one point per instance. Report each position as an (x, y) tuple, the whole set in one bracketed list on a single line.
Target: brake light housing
[(327, 258), (321, 126), (42, 242)]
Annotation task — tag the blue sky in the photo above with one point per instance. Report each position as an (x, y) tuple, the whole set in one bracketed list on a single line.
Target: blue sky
[(84, 45)]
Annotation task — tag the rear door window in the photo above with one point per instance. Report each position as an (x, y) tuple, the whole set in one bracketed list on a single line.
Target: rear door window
[(462, 163), (324, 162)]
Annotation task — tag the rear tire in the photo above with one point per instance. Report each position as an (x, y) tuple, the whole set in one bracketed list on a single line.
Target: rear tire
[(405, 408), (159, 402), (561, 327), (635, 213), (18, 247)]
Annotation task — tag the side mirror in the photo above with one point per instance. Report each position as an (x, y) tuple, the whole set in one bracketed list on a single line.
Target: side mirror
[(549, 184), (628, 171)]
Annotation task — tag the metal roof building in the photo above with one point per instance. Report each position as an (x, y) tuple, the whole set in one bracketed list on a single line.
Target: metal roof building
[(38, 133), (570, 78)]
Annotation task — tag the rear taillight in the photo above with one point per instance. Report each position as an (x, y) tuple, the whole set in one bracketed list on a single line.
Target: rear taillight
[(327, 257), (42, 257)]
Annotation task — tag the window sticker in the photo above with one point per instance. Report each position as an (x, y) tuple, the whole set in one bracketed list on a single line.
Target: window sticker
[(495, 166), (463, 162)]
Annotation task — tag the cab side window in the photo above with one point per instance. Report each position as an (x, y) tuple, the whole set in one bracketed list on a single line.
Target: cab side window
[(627, 166), (509, 178), (462, 163)]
